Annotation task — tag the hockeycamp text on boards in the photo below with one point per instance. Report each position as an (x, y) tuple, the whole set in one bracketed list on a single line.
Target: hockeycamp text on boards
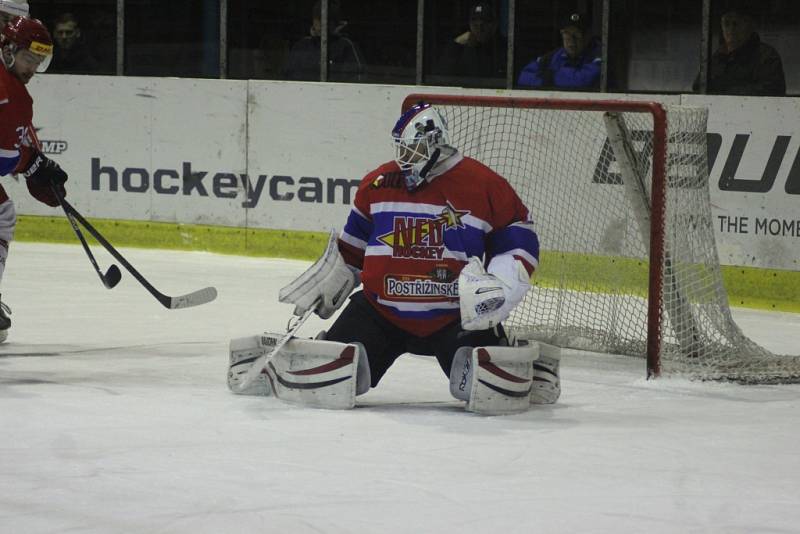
[(189, 181)]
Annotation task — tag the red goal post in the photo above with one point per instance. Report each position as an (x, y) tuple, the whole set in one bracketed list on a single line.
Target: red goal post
[(618, 191)]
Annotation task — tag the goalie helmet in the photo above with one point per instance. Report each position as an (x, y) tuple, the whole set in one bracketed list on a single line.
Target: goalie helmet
[(24, 34), (418, 136)]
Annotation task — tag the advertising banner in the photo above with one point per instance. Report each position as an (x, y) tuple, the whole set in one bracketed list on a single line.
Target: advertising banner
[(288, 155), (754, 161), (154, 149)]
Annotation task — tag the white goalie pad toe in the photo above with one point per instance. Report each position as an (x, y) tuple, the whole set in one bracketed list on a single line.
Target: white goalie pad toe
[(243, 352), (494, 380)]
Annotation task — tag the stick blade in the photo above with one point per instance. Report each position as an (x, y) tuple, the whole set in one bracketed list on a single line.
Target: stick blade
[(196, 298)]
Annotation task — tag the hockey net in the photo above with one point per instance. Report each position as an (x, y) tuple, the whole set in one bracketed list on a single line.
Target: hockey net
[(618, 192)]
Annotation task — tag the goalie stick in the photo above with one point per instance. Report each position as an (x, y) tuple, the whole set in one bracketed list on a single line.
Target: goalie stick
[(195, 298), (262, 361), (112, 276)]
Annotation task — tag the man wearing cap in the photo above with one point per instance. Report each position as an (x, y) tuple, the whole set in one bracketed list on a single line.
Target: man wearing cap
[(344, 57), (479, 53), (576, 65), (743, 65)]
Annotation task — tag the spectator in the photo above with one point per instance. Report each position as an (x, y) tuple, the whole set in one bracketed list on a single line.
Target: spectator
[(71, 55), (344, 58), (479, 52), (743, 65), (10, 9), (576, 65)]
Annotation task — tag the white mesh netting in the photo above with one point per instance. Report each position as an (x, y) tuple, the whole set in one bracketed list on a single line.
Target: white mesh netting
[(591, 289)]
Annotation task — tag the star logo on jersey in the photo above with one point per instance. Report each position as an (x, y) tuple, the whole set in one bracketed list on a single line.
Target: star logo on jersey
[(452, 216), (422, 237)]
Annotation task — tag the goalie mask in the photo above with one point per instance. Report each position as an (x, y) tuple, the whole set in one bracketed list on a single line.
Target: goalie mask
[(418, 137)]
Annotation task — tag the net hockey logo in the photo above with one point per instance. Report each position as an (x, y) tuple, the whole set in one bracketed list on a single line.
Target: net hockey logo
[(422, 237)]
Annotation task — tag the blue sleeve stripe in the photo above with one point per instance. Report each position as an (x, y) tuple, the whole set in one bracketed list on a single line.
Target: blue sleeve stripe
[(516, 236), (358, 227), (8, 161)]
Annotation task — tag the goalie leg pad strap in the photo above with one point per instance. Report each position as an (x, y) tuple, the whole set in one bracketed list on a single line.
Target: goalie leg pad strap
[(546, 378), (319, 374), (363, 375), (498, 379)]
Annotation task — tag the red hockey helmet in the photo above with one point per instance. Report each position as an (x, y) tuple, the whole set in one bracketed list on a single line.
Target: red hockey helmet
[(23, 33)]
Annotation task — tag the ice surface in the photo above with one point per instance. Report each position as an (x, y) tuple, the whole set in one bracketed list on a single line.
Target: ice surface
[(115, 418)]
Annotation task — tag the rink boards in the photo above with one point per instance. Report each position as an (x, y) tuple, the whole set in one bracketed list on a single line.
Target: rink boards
[(288, 156)]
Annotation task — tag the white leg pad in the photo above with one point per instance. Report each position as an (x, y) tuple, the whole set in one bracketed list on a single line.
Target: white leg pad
[(546, 379), (310, 372), (320, 374), (494, 380), (8, 221)]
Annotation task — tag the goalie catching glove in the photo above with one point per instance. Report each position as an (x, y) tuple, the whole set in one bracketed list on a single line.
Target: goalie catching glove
[(486, 298), (324, 286)]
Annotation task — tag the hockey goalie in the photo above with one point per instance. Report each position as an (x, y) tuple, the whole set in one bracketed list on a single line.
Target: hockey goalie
[(443, 249)]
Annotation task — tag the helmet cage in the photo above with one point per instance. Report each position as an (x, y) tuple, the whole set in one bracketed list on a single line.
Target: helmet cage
[(415, 137)]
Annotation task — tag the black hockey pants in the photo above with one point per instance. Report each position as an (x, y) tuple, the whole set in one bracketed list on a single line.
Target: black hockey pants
[(385, 342)]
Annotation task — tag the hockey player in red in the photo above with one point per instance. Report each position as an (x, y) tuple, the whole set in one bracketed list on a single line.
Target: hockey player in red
[(26, 48), (444, 249)]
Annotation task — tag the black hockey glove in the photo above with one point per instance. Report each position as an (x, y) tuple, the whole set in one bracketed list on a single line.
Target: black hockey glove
[(42, 176)]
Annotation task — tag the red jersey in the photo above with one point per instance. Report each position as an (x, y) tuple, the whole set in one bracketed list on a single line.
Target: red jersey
[(411, 245), (16, 116)]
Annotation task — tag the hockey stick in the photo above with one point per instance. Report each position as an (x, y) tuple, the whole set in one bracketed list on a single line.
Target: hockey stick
[(201, 296), (112, 276), (262, 361)]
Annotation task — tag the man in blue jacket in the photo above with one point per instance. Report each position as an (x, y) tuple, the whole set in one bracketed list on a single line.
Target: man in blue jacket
[(576, 65)]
